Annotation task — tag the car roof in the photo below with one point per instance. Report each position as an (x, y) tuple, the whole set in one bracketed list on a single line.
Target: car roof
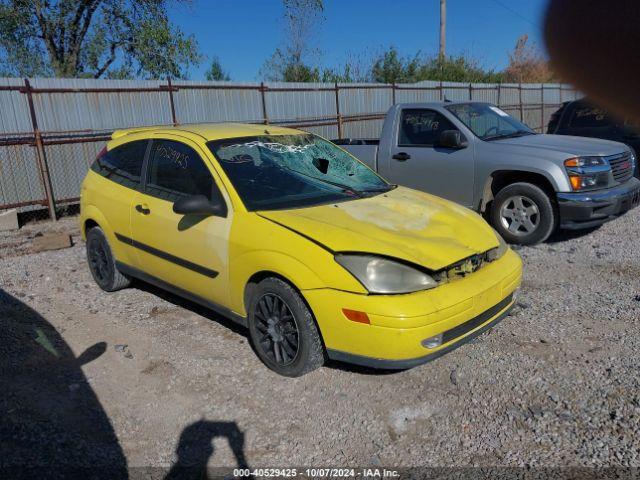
[(211, 131)]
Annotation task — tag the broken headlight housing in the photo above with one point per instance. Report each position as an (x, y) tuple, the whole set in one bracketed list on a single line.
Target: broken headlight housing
[(496, 253), (383, 275)]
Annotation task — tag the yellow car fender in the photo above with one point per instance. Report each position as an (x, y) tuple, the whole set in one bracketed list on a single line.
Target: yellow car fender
[(301, 276)]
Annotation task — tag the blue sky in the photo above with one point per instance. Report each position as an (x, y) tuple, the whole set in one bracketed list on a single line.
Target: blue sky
[(243, 33)]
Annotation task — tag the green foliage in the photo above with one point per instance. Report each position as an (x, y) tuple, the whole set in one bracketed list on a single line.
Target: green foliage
[(391, 67), (291, 62), (93, 38), (216, 72)]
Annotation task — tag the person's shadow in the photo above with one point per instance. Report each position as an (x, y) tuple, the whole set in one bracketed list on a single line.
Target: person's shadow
[(195, 447), (51, 422)]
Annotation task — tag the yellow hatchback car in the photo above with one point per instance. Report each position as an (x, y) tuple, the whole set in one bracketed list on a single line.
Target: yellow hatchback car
[(294, 238)]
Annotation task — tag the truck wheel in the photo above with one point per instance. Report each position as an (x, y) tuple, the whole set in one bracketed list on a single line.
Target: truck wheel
[(102, 263), (283, 330), (523, 213)]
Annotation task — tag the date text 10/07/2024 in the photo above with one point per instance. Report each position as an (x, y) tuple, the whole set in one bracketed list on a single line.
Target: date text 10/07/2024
[(317, 472)]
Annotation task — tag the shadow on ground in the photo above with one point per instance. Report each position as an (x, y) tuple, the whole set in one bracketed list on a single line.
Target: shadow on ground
[(191, 306), (195, 448), (52, 424), (51, 421)]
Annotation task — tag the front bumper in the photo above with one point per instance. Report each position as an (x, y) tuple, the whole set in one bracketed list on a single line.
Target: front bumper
[(461, 309), (590, 209)]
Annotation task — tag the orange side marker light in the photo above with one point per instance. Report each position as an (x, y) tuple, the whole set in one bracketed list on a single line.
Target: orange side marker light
[(356, 316)]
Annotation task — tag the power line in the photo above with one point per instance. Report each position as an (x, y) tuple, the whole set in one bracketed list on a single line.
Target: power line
[(516, 13)]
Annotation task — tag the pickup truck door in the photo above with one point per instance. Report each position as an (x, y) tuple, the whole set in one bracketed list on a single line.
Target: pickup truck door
[(416, 162)]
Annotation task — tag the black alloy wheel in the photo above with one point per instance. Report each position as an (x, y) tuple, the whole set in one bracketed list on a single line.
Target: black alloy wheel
[(279, 335)]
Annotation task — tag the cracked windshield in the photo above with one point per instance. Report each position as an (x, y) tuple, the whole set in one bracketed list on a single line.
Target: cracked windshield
[(290, 171)]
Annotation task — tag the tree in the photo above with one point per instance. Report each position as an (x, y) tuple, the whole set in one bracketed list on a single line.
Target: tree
[(526, 64), (291, 62), (93, 38), (389, 67), (216, 72)]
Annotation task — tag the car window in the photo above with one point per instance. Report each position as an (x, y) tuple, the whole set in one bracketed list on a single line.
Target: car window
[(585, 116), (176, 171), (420, 127), (123, 164)]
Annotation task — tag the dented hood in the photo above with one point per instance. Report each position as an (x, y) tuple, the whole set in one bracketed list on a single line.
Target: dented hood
[(402, 223)]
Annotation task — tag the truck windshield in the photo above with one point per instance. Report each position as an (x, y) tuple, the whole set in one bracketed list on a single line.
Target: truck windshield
[(488, 122), (290, 171)]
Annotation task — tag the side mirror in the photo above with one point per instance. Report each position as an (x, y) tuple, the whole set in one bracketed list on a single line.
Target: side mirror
[(200, 205), (452, 139)]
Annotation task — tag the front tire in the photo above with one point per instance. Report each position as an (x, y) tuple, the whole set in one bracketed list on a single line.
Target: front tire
[(283, 330), (102, 263), (523, 213)]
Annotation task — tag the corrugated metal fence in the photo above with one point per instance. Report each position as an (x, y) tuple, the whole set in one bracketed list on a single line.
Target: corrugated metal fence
[(51, 129)]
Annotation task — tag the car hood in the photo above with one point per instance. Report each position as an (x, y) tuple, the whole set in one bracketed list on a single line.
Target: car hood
[(570, 145), (402, 223)]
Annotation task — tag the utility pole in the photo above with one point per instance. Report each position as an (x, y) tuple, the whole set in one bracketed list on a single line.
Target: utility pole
[(443, 28)]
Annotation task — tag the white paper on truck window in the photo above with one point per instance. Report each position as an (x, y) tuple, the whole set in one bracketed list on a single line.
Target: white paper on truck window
[(499, 112)]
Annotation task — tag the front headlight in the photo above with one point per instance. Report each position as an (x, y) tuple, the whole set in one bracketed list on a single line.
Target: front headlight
[(499, 251), (381, 275), (587, 173)]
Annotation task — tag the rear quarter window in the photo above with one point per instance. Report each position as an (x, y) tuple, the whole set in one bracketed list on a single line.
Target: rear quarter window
[(123, 164)]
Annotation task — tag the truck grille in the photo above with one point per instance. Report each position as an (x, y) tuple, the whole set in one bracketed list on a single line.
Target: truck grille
[(621, 166)]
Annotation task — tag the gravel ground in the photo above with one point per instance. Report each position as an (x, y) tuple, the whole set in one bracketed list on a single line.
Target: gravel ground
[(555, 384)]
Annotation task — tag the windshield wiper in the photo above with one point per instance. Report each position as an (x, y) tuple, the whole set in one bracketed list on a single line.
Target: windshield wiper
[(342, 186), (517, 133)]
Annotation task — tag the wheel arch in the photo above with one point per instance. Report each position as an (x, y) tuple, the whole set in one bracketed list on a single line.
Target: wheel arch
[(499, 179), (257, 277)]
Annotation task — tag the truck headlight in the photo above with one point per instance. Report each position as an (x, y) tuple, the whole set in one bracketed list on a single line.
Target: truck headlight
[(499, 251), (587, 172), (581, 162), (382, 275)]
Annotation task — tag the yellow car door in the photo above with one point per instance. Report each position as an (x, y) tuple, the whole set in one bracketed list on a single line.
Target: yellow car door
[(190, 251)]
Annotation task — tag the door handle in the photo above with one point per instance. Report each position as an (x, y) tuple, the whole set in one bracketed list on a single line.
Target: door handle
[(143, 209), (401, 157)]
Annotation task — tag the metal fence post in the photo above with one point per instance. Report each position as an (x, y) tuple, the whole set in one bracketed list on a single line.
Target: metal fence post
[(338, 115), (265, 117), (520, 98), (393, 93), (470, 92), (40, 153), (173, 107), (542, 108), (499, 88), (441, 91)]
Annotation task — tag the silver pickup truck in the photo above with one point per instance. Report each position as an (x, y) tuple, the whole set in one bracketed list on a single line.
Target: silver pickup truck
[(526, 184)]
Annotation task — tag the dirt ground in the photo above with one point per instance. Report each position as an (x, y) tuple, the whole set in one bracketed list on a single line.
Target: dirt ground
[(141, 378)]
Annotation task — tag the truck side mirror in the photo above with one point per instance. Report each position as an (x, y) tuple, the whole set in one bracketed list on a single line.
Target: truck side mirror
[(452, 139)]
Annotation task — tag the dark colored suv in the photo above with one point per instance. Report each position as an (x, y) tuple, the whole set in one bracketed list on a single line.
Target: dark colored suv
[(585, 119)]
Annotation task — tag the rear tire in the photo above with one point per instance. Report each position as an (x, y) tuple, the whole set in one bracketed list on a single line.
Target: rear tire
[(523, 213), (283, 330), (102, 263)]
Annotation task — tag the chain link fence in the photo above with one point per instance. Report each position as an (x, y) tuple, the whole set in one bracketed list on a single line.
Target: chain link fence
[(52, 129)]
